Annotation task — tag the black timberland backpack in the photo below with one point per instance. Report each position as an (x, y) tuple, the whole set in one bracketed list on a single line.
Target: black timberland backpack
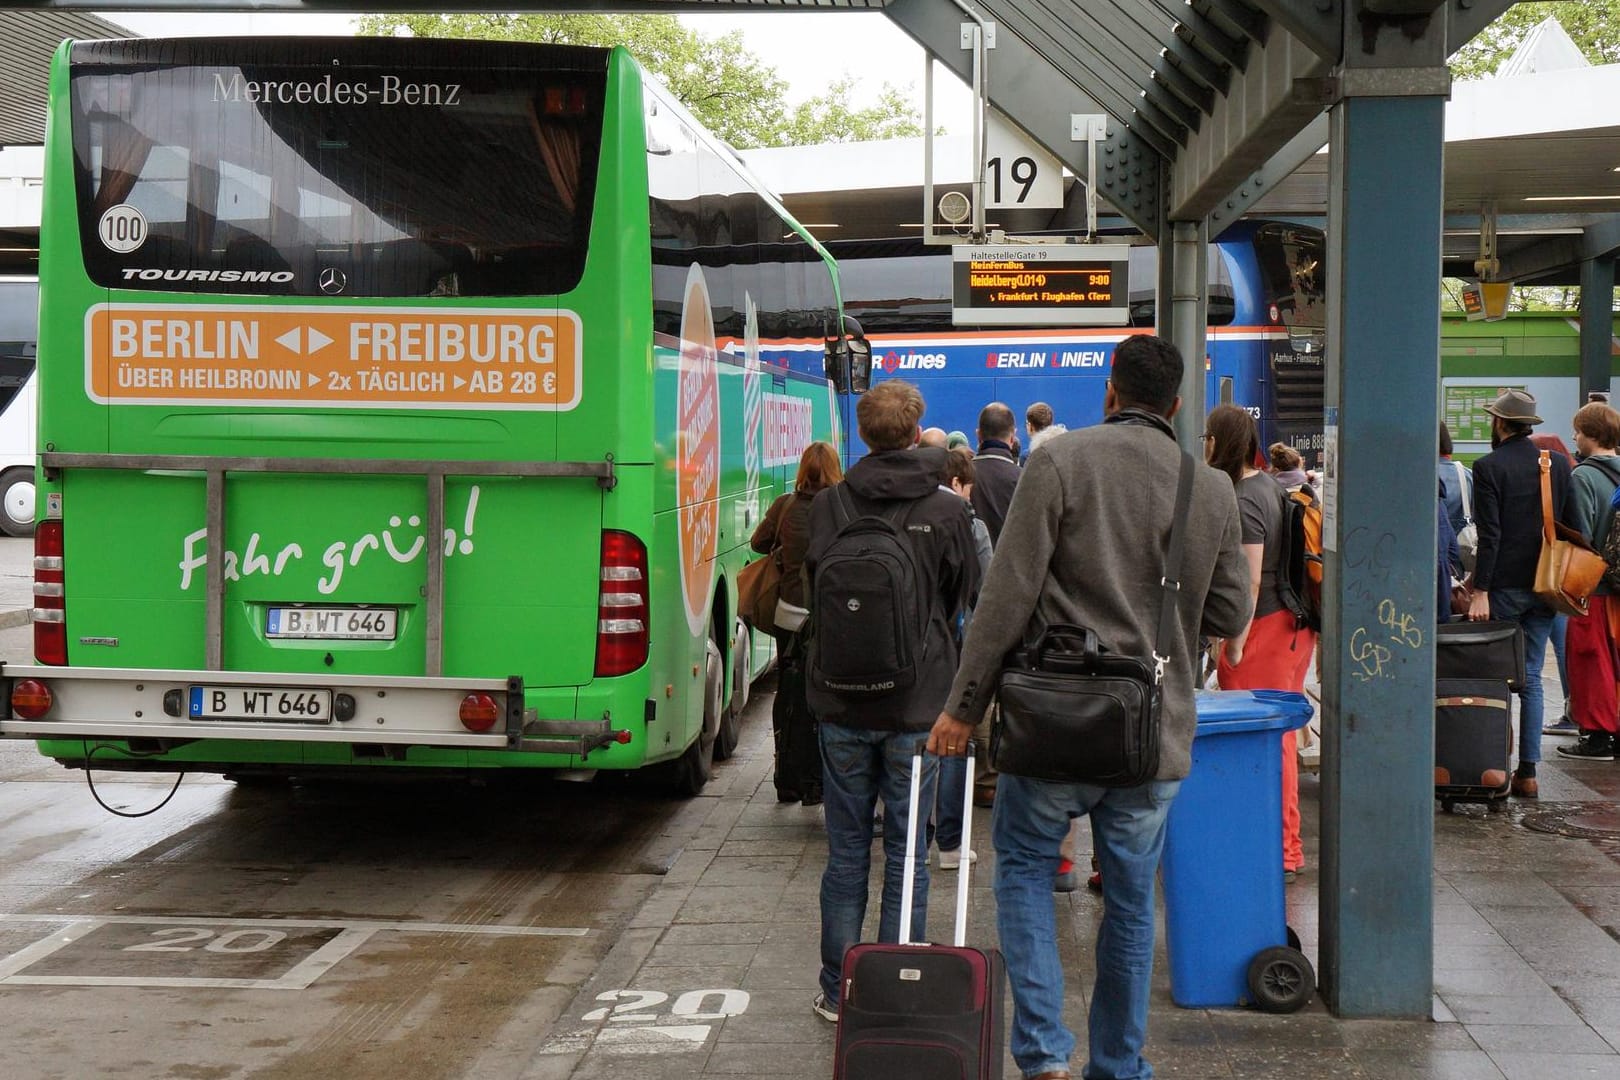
[(870, 606), (1299, 576)]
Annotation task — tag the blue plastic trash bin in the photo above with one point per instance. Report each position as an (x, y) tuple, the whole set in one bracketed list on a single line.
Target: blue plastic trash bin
[(1222, 868)]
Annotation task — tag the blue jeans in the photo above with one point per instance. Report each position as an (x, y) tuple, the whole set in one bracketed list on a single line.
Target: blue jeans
[(1127, 824), (948, 807), (858, 767), (1560, 630), (1522, 607)]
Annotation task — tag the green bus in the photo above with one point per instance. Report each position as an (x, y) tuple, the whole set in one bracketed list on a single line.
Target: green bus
[(405, 404)]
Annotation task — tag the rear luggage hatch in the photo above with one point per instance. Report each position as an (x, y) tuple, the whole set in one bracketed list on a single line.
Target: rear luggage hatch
[(336, 572)]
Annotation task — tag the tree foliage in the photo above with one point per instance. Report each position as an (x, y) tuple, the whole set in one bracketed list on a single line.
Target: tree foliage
[(727, 89), (1594, 26), (830, 117)]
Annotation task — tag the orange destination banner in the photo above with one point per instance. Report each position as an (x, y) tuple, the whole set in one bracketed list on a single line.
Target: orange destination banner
[(340, 357)]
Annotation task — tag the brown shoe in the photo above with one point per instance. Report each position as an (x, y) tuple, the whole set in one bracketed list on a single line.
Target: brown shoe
[(1052, 1074), (1525, 787)]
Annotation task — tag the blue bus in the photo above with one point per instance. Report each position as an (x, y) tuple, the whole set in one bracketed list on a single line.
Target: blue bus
[(1267, 322)]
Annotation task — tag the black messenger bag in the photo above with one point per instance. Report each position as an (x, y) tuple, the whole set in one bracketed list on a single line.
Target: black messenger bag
[(1072, 711)]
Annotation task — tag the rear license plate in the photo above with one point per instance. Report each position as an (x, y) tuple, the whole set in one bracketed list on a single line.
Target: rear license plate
[(332, 623), (278, 704)]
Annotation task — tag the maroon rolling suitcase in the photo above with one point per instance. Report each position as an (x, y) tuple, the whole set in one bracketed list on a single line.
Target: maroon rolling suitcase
[(923, 1012)]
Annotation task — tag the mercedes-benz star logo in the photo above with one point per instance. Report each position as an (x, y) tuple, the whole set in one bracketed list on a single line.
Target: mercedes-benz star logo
[(333, 281)]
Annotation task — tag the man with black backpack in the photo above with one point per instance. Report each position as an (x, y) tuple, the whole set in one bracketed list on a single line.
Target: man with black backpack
[(891, 563)]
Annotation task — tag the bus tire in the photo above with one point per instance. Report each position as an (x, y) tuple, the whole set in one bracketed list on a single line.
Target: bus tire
[(695, 767), (725, 742), (17, 501)]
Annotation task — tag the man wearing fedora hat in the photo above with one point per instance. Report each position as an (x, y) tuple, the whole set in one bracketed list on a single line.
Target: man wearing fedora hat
[(1507, 514)]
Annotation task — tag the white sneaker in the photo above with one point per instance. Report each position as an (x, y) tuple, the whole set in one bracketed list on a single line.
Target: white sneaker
[(827, 1012), (952, 860)]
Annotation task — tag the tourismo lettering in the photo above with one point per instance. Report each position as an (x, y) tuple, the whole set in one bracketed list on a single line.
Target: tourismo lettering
[(148, 274), (388, 90)]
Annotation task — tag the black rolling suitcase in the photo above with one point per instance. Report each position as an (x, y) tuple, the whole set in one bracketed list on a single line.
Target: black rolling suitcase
[(923, 1012), (793, 727), (1473, 738)]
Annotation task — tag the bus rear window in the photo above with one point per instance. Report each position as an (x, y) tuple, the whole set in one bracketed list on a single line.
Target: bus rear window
[(364, 168)]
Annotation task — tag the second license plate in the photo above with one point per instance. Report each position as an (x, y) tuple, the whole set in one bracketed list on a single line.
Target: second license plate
[(275, 703), (332, 623)]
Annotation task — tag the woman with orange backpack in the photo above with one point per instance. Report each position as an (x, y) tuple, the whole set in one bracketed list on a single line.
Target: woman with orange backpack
[(1274, 651)]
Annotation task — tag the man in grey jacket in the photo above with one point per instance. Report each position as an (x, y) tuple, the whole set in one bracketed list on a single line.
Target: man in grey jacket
[(1085, 543)]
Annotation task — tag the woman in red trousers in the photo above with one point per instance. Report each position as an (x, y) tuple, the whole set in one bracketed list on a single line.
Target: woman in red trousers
[(1590, 644), (1273, 652)]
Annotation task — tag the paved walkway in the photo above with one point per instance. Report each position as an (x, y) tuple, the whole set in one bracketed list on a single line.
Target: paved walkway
[(1527, 964)]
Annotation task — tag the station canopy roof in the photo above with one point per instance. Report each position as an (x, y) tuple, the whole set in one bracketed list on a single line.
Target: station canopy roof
[(1214, 108)]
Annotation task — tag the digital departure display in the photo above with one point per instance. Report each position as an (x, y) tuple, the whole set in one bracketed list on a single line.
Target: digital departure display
[(1040, 285)]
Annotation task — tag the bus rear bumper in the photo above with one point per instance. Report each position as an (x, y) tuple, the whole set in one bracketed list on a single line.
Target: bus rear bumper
[(162, 704)]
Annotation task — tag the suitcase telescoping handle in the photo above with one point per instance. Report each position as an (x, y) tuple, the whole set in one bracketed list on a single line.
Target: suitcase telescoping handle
[(908, 882)]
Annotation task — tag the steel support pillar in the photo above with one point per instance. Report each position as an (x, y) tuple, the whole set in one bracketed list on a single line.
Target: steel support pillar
[(1377, 657), (1597, 325), (1189, 318)]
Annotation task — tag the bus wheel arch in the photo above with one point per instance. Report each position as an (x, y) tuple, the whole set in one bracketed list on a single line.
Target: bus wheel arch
[(739, 661), (695, 767), (17, 495)]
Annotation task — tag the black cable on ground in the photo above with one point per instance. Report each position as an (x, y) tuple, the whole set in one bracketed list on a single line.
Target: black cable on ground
[(89, 756)]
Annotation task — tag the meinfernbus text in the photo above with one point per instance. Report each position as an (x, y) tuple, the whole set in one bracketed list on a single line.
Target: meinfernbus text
[(416, 417)]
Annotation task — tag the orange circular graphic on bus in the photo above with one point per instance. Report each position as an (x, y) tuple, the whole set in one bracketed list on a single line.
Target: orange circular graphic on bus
[(697, 454)]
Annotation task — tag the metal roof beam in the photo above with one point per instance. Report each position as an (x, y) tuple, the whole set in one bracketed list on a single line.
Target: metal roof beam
[(1040, 98), (1067, 50), (1189, 90), (1172, 106), (1402, 9), (1199, 66), (1162, 123), (1198, 29), (1317, 23), (1466, 18), (1265, 110), (1143, 46), (1249, 21), (1294, 153), (1547, 256), (1602, 239)]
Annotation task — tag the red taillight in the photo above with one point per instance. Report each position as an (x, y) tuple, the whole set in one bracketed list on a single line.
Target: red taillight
[(31, 699), (621, 605), (479, 712), (50, 602)]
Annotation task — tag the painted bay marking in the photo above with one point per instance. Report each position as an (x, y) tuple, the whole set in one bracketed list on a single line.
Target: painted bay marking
[(250, 954), (632, 1022)]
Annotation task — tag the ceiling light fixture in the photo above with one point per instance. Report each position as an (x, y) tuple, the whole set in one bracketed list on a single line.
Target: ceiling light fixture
[(1572, 198)]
